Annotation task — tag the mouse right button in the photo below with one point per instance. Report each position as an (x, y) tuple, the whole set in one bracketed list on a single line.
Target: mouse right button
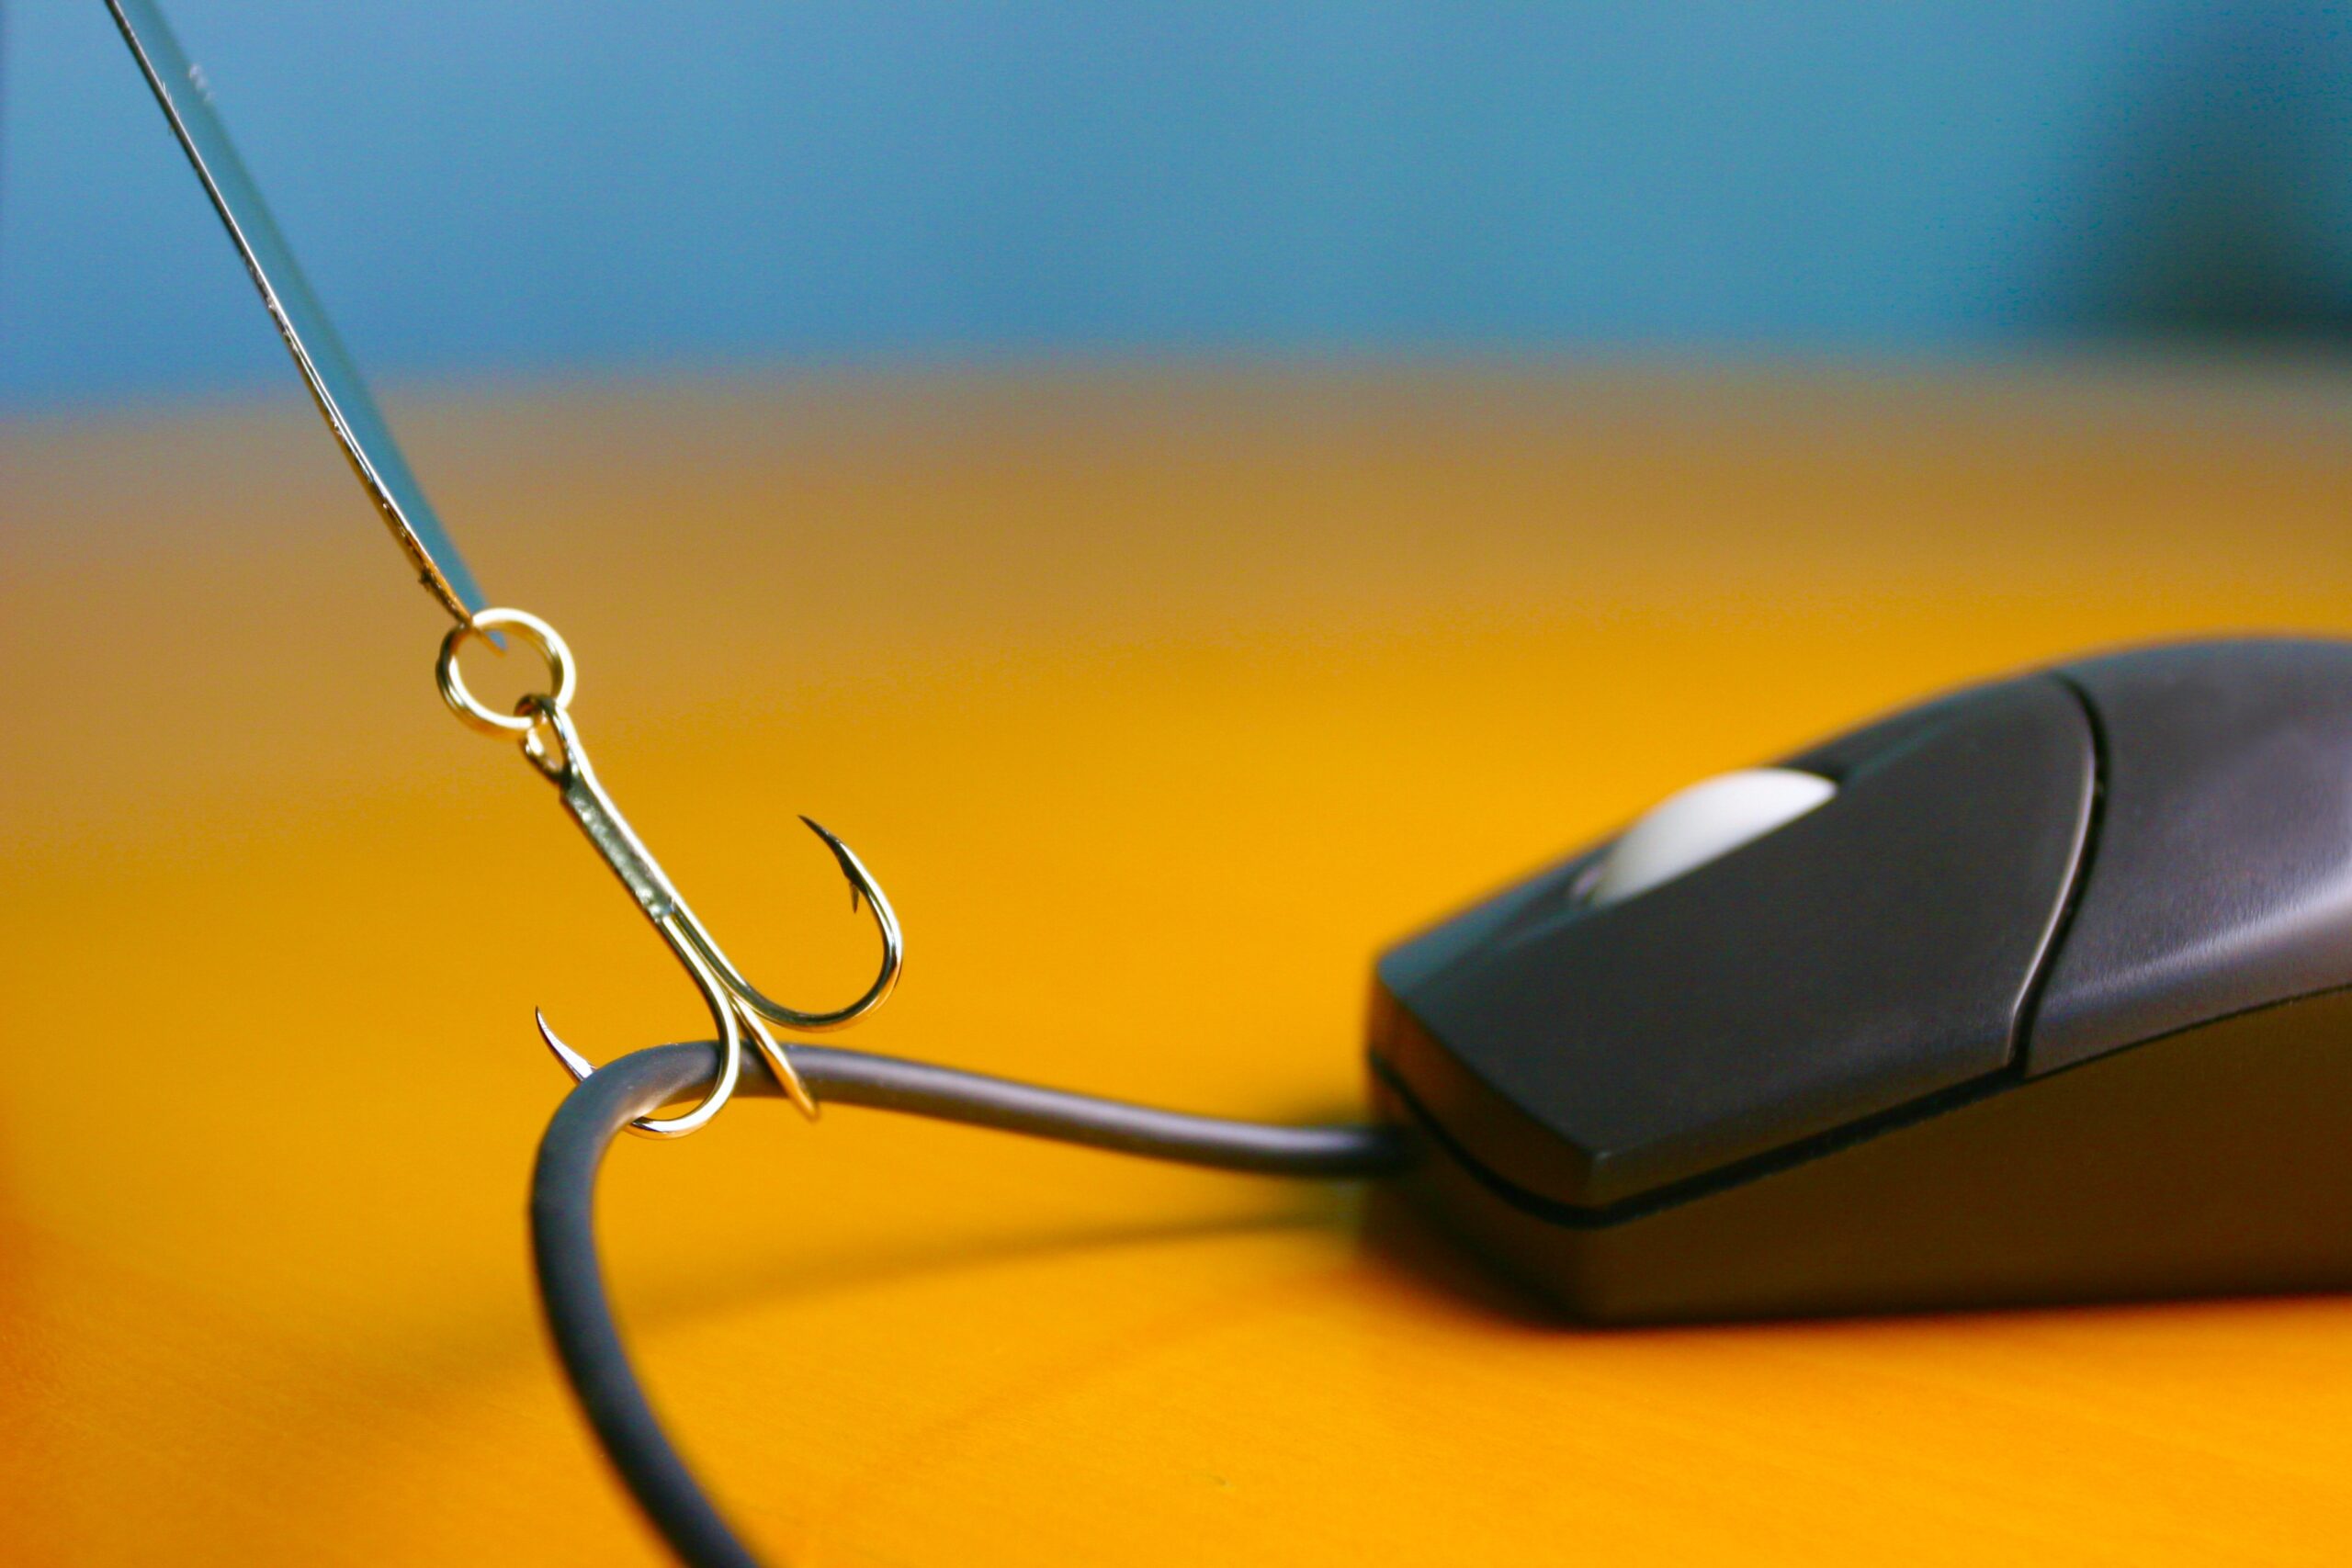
[(2220, 871)]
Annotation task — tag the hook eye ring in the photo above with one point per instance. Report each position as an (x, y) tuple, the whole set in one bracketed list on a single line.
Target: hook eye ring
[(544, 640)]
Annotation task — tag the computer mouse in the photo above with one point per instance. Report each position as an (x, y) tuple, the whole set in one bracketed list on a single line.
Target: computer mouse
[(2033, 993)]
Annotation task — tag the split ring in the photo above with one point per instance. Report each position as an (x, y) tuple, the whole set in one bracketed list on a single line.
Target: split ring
[(527, 627)]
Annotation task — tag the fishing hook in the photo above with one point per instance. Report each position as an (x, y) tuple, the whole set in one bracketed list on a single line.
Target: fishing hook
[(542, 722)]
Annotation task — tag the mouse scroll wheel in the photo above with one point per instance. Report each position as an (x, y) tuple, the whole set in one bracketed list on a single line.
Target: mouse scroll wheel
[(1707, 820)]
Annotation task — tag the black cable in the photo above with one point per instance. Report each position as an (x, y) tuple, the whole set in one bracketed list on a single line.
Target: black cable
[(571, 1280)]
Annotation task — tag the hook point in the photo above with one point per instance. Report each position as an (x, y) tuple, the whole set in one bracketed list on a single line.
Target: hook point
[(573, 1062), (854, 872)]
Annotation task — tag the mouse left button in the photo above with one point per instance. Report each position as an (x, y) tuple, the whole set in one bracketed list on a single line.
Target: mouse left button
[(1873, 953)]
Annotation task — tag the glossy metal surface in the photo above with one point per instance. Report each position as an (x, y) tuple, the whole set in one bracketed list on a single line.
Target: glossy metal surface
[(327, 369), (265, 1299), (549, 741), (563, 677)]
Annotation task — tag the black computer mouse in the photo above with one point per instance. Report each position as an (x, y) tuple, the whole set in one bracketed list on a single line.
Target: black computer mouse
[(2037, 992)]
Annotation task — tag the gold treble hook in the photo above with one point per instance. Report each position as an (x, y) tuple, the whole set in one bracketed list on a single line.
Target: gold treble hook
[(543, 723)]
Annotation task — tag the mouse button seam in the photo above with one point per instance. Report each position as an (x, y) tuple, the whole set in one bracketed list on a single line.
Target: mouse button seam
[(2030, 1002)]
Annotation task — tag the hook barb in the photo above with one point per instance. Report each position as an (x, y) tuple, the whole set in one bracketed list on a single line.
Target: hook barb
[(860, 880), (573, 1062)]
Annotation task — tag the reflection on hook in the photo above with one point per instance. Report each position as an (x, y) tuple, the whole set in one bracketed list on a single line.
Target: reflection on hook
[(737, 1007)]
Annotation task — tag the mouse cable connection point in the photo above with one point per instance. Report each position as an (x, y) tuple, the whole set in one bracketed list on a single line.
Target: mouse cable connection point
[(571, 1280)]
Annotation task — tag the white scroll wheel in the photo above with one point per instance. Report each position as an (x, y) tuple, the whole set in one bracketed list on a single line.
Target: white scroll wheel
[(1707, 820)]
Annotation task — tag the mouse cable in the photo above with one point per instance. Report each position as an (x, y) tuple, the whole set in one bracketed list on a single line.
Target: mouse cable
[(571, 1279)]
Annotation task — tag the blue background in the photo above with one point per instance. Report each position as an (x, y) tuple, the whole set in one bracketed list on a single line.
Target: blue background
[(527, 189)]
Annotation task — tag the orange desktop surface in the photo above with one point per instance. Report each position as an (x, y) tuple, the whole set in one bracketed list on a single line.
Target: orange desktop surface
[(1158, 703)]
